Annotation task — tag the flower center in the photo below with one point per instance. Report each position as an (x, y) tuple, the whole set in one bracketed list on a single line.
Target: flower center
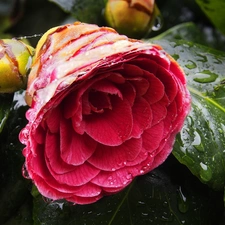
[(99, 101)]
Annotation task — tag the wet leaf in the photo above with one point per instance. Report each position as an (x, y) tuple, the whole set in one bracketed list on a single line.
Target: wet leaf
[(201, 143), (157, 198), (89, 11), (214, 9), (14, 189), (5, 105), (188, 31)]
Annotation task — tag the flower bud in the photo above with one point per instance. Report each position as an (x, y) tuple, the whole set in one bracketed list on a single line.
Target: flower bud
[(133, 18), (15, 61)]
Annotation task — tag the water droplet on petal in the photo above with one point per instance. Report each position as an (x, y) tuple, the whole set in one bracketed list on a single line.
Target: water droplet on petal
[(129, 176), (25, 172)]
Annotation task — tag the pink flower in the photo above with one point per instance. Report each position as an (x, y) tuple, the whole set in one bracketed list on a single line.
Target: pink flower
[(104, 109)]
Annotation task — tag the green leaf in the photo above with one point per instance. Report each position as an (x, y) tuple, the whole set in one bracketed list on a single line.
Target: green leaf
[(14, 189), (5, 105), (23, 216), (89, 11), (188, 31), (214, 9), (201, 143), (157, 198)]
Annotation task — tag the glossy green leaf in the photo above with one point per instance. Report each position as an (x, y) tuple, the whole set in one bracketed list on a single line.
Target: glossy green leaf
[(201, 143), (89, 11), (188, 31), (158, 198), (5, 105), (214, 9), (14, 189), (22, 216)]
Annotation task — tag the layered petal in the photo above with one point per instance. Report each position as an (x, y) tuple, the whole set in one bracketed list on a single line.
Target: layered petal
[(103, 109)]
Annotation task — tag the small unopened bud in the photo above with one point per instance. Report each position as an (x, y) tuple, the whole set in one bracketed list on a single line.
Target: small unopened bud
[(133, 18), (15, 62)]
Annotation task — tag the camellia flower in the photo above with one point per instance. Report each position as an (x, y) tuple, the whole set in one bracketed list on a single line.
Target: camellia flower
[(104, 109), (15, 61)]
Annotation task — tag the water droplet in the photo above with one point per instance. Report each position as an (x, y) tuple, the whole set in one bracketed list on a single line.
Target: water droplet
[(48, 200), (183, 204), (190, 120), (25, 172), (158, 22), (165, 204), (167, 217), (204, 166), (129, 176), (202, 58), (205, 172), (191, 64), (217, 60), (205, 76), (58, 204), (141, 203), (144, 214), (175, 56), (197, 143)]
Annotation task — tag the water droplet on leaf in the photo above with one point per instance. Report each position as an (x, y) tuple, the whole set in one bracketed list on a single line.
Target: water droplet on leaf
[(141, 203), (183, 204), (202, 58), (205, 76), (158, 23), (175, 56), (205, 172), (197, 143), (167, 217), (144, 214), (191, 65)]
